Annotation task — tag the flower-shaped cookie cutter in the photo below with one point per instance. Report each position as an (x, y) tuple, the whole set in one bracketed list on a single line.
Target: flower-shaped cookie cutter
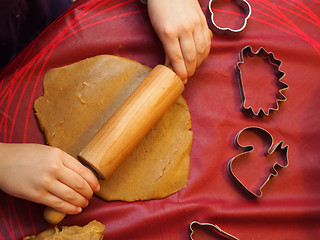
[(248, 149), (276, 63), (217, 229), (247, 10)]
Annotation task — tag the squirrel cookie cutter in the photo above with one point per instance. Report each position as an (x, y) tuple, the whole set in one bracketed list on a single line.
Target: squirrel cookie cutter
[(215, 227), (276, 63), (248, 149), (241, 3)]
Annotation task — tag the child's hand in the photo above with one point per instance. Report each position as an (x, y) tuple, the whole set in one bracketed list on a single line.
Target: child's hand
[(46, 175), (183, 31)]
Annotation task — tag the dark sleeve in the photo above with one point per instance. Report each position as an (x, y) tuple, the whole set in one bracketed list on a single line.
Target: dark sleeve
[(20, 22)]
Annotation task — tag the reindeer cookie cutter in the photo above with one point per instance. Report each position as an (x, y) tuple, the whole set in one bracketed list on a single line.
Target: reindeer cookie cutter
[(241, 3)]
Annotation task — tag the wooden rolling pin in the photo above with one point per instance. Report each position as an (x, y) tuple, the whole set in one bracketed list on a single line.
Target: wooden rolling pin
[(127, 126)]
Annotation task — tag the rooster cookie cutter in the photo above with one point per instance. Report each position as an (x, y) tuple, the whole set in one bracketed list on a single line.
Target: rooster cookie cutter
[(214, 227), (247, 149), (276, 63), (247, 10)]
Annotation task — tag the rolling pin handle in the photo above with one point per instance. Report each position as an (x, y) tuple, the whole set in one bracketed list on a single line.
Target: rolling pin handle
[(53, 216)]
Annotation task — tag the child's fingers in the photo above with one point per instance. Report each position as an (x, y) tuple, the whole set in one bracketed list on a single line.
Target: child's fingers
[(202, 40), (175, 56), (67, 194), (86, 174), (59, 204), (189, 52), (75, 182), (71, 177)]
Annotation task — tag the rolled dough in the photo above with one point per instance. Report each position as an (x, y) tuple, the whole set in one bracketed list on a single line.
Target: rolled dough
[(80, 97)]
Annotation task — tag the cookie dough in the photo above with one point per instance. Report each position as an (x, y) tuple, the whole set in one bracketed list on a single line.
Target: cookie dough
[(92, 231), (80, 97)]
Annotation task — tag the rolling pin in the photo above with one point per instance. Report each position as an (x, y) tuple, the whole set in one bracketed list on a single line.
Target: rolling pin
[(127, 126)]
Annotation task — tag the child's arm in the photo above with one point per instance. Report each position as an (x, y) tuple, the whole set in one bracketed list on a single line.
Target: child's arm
[(183, 30), (46, 175)]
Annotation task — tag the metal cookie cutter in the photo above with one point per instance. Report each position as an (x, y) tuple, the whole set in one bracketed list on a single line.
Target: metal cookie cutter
[(276, 63), (244, 5), (218, 230), (247, 149)]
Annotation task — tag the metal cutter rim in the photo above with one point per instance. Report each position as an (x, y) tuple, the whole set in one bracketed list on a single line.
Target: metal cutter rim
[(244, 5)]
